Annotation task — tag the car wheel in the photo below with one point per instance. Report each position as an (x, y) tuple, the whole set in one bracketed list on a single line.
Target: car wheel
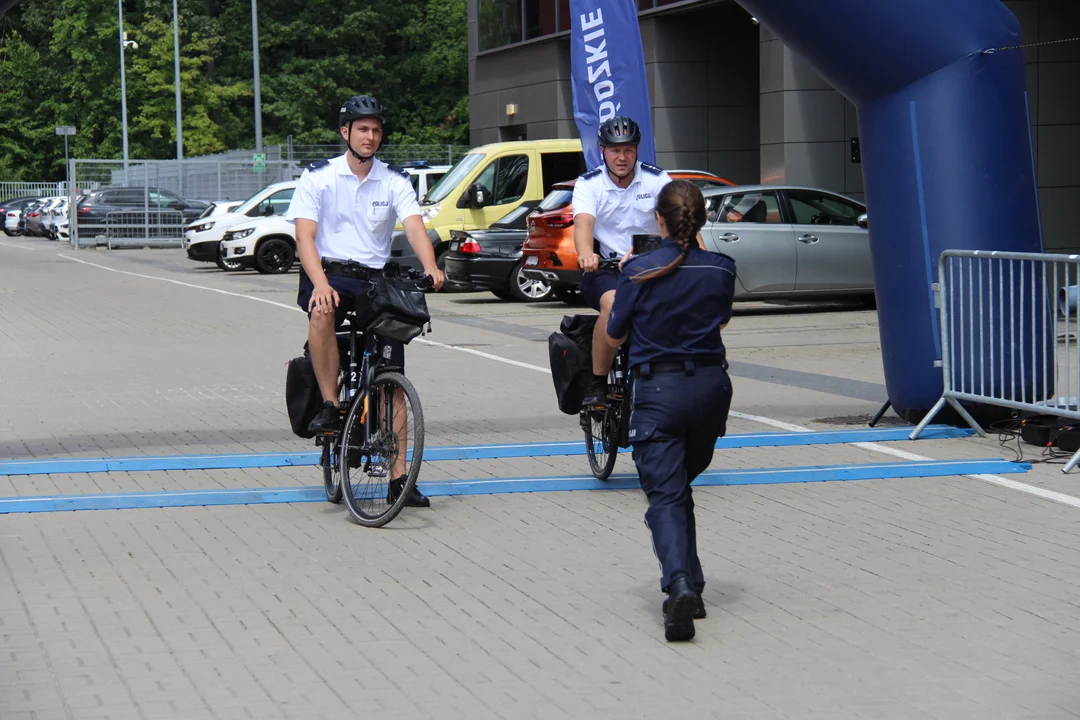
[(224, 264), (274, 257), (525, 289), (10, 233)]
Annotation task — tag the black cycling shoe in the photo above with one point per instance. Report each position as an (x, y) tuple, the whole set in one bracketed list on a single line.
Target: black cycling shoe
[(699, 608), (326, 420), (596, 392), (416, 498), (679, 616)]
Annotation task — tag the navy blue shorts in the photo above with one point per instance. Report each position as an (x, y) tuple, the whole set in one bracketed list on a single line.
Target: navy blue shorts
[(352, 292), (595, 284)]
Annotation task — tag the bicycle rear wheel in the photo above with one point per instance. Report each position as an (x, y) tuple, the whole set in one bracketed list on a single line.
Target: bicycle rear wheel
[(331, 469), (601, 444), (394, 449)]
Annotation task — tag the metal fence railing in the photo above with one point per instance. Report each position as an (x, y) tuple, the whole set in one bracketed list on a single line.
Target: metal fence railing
[(15, 190), (1009, 334)]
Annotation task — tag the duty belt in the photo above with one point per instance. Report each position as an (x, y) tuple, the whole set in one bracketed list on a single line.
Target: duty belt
[(348, 268), (687, 366)]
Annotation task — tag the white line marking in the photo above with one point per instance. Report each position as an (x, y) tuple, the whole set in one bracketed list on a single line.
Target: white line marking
[(905, 455), (779, 424), (184, 284), (17, 247)]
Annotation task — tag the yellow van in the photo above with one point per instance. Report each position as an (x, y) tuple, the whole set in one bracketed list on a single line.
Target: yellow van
[(489, 182)]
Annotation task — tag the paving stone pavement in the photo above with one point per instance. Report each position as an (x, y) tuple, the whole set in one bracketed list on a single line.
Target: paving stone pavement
[(944, 598)]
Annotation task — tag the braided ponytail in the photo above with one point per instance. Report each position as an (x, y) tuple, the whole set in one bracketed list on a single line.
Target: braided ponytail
[(682, 207)]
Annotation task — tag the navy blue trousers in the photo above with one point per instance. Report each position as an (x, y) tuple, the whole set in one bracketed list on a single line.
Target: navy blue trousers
[(676, 420)]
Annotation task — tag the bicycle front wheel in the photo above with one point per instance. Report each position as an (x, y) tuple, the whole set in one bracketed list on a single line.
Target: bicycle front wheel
[(331, 469), (381, 456)]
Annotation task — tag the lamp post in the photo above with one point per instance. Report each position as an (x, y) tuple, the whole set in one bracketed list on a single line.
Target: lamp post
[(123, 83), (258, 91), (176, 73)]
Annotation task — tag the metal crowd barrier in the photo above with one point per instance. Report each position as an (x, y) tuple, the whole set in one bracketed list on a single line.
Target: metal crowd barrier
[(144, 227), (1009, 334)]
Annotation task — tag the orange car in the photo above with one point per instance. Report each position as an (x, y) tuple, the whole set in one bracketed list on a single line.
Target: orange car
[(549, 253)]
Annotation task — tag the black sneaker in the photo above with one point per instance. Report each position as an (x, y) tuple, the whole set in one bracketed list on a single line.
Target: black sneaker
[(596, 393), (326, 420), (416, 498), (699, 608)]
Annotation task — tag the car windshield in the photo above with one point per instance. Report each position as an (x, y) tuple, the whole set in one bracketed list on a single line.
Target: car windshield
[(453, 178), (557, 198)]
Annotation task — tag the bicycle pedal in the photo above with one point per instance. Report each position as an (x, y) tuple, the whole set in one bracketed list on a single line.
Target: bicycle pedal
[(378, 470)]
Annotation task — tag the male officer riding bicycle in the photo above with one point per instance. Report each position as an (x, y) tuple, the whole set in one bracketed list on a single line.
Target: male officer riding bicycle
[(611, 204), (344, 210)]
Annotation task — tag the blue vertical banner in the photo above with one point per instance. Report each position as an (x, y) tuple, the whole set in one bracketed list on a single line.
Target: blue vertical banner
[(607, 68)]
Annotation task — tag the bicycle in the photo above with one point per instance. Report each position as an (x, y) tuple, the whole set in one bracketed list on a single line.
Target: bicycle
[(607, 428), (376, 403)]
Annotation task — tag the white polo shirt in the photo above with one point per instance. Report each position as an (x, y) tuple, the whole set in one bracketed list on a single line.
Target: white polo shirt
[(620, 213), (356, 219)]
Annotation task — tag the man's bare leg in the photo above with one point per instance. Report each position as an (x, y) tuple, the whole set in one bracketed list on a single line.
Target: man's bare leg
[(322, 342), (602, 353)]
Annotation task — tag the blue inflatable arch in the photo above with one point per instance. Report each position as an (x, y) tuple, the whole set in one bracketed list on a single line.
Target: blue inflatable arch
[(945, 137)]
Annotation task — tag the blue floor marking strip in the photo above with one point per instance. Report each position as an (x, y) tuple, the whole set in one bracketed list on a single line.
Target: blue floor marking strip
[(232, 461), (760, 476)]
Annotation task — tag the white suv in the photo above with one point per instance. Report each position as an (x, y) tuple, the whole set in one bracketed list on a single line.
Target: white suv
[(267, 244), (203, 237)]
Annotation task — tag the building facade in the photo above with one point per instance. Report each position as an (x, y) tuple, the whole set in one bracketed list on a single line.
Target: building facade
[(730, 98)]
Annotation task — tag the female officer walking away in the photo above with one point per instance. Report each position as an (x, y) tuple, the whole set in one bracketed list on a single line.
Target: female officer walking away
[(673, 302)]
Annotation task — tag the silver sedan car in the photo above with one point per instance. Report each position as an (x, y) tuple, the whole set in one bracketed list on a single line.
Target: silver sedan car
[(790, 241)]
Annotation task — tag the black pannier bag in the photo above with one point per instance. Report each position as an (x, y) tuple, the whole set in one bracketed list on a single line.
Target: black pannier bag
[(394, 308), (570, 357), (303, 400)]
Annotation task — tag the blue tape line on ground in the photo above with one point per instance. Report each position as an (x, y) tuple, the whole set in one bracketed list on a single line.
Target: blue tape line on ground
[(234, 461), (760, 476)]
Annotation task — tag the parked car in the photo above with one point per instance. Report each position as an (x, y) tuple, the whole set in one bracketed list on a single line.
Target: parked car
[(48, 216), (791, 242), (549, 252), (424, 176), (267, 244), (202, 238), (13, 212), (35, 219), (491, 259), (61, 227), (164, 208)]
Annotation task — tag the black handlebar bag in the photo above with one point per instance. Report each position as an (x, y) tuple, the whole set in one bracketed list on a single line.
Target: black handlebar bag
[(394, 308)]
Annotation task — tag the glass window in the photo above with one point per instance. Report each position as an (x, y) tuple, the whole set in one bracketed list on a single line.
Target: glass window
[(560, 167), (276, 204), (751, 207), (453, 178), (125, 197), (415, 180), (817, 208), (539, 18), (557, 198), (506, 179), (515, 219), (498, 23)]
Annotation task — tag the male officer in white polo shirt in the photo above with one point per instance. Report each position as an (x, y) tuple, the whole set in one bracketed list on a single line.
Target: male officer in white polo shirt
[(344, 210), (611, 205)]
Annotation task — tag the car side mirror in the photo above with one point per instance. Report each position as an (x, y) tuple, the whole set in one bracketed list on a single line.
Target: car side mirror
[(475, 197), (862, 221)]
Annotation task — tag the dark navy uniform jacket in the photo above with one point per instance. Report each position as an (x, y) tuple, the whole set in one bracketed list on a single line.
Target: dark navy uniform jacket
[(677, 316)]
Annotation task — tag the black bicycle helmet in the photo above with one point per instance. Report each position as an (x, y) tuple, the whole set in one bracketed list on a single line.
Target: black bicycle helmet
[(619, 130), (360, 106)]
